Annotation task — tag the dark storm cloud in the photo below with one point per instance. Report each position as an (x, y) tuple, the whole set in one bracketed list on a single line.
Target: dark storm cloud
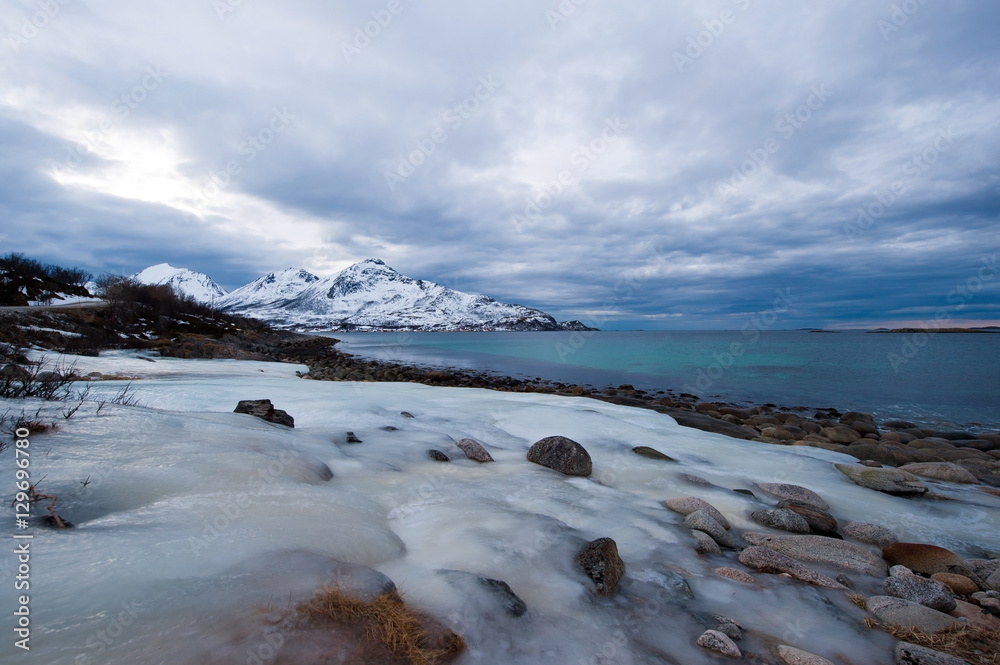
[(642, 164)]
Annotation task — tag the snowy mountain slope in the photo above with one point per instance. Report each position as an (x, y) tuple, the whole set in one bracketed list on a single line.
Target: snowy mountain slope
[(372, 296), (198, 285), (268, 290)]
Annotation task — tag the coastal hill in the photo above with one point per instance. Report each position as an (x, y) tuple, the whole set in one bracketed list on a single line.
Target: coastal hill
[(367, 296)]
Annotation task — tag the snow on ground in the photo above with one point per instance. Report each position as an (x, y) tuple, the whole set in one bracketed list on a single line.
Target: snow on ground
[(192, 515)]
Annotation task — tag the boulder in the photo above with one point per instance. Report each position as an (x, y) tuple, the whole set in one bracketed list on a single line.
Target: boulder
[(954, 436), (873, 534), (703, 521), (890, 481), (707, 545), (769, 561), (907, 614), (840, 434), (902, 583), (926, 559), (437, 455), (873, 452), (263, 409), (819, 522), (976, 616), (795, 493), (474, 451), (819, 549), (946, 471), (792, 656), (351, 437), (912, 654), (898, 424), (713, 640), (960, 585), (852, 417), (983, 568), (563, 455), (361, 582), (993, 581), (689, 504), (646, 451), (512, 604), (736, 575), (782, 519), (601, 562)]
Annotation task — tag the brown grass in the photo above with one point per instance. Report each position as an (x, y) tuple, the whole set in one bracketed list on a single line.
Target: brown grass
[(387, 622), (976, 645), (858, 599)]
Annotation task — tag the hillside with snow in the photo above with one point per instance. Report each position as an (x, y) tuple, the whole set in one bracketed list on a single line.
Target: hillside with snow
[(198, 285), (372, 296)]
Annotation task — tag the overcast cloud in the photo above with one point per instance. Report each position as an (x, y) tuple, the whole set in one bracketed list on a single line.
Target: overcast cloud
[(671, 164)]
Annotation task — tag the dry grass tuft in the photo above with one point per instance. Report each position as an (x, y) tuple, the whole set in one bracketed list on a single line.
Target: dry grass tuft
[(387, 622), (858, 599), (976, 645)]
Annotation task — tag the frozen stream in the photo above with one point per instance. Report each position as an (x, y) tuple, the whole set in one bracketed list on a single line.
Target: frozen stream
[(196, 517)]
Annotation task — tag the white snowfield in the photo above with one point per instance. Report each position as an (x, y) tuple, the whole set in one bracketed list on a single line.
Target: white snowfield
[(368, 296), (198, 285), (192, 518)]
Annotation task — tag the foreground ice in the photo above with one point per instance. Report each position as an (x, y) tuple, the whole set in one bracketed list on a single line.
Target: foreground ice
[(191, 518)]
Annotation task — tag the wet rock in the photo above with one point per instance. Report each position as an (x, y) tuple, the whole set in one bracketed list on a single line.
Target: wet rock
[(437, 455), (946, 471), (960, 585), (983, 568), (873, 534), (993, 581), (898, 424), (390, 428), (905, 614), (713, 640), (792, 656), (563, 455), (736, 575), (795, 493), (954, 435), (691, 478), (645, 451), (769, 561), (890, 481), (745, 492), (911, 654), (601, 562), (930, 593), (703, 521), (729, 628), (352, 438), (975, 616), (474, 451), (689, 504), (782, 519), (361, 582), (406, 414), (926, 559), (820, 522), (840, 434), (512, 604), (706, 544), (263, 409), (819, 549), (872, 452)]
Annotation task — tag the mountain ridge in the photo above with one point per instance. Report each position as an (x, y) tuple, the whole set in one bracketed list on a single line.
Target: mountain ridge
[(366, 296)]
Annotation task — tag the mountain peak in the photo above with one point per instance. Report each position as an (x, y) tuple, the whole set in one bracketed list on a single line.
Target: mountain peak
[(198, 285)]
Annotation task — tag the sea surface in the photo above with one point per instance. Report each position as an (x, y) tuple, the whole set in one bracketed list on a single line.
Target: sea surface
[(939, 380)]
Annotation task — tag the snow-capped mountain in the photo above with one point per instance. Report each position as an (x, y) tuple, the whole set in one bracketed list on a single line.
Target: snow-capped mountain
[(372, 296), (271, 289), (198, 285)]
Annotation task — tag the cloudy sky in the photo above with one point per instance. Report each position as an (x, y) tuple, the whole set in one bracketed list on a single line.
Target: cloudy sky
[(641, 164)]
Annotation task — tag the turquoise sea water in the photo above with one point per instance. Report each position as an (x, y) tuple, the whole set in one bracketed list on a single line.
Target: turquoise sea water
[(942, 379)]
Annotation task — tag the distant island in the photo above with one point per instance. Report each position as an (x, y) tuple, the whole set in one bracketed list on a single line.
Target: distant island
[(987, 329)]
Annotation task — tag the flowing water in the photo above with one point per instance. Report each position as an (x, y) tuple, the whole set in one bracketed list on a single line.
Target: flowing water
[(191, 520)]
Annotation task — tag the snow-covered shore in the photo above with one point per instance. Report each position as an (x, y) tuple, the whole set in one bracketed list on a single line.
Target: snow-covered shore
[(194, 515)]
